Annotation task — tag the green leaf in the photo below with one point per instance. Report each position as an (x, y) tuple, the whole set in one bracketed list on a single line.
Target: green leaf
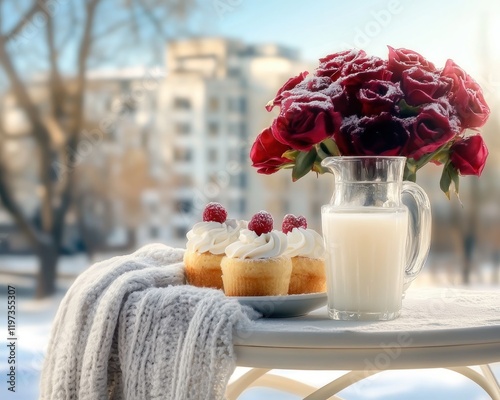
[(318, 168), (411, 166), (456, 180), (286, 166), (410, 172), (321, 154), (290, 154), (405, 110), (303, 164), (446, 180), (410, 175), (449, 176), (440, 154), (330, 147)]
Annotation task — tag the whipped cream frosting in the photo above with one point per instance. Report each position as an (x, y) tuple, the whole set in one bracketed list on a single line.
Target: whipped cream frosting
[(213, 237), (252, 246), (305, 243)]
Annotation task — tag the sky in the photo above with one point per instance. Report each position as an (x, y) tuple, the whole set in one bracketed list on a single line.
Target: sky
[(463, 30), (437, 29)]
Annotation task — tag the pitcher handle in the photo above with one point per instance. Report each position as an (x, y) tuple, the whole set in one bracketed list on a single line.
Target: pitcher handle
[(419, 232)]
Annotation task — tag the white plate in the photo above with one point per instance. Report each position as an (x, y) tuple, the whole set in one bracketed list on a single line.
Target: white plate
[(293, 305)]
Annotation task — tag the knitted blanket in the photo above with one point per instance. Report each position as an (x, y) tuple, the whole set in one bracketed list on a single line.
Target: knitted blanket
[(129, 329)]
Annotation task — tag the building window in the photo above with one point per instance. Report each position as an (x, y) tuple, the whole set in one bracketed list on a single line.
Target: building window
[(237, 104), (184, 206), (243, 181), (233, 72), (154, 232), (238, 206), (213, 129), (240, 180), (154, 208), (180, 232), (315, 204), (285, 206), (182, 103), (185, 180), (242, 104), (238, 130), (182, 154), (213, 104), (182, 128), (244, 155), (212, 155), (243, 206), (243, 131)]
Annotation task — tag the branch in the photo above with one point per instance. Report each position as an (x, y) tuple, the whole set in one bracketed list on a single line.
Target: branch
[(110, 30), (72, 21), (22, 96), (58, 94), (35, 8), (83, 54), (9, 203), (69, 157), (39, 131), (150, 15)]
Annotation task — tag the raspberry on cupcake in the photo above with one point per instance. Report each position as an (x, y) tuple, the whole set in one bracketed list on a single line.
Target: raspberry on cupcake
[(306, 249), (206, 244), (255, 264)]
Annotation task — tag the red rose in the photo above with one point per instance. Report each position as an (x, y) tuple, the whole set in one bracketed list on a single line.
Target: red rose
[(381, 135), (333, 64), (306, 119), (421, 87), (343, 102), (289, 84), (466, 96), (363, 69), (378, 96), (315, 84), (430, 130), (400, 60), (469, 155), (267, 153)]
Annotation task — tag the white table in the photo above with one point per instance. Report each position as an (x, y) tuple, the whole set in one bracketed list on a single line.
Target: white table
[(438, 328)]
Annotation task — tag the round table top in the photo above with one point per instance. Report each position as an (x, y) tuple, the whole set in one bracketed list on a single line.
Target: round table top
[(437, 327)]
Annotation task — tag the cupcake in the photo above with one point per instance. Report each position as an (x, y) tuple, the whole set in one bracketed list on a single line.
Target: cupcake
[(255, 265), (206, 244), (306, 248)]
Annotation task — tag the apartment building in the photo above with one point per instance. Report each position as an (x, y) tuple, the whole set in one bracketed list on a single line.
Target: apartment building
[(180, 137), (210, 109)]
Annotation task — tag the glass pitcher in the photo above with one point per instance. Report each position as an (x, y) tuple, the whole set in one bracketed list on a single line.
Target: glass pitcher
[(375, 244)]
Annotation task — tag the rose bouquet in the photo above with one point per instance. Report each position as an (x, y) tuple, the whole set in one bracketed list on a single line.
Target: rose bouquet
[(360, 105)]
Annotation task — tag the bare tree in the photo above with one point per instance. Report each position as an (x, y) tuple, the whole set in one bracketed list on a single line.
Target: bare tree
[(96, 29)]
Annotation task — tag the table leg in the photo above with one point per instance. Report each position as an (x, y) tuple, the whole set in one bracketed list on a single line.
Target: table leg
[(237, 387), (259, 377), (339, 384), (489, 386), (490, 376)]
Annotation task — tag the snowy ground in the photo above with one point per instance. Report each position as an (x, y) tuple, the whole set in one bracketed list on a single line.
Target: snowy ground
[(33, 327)]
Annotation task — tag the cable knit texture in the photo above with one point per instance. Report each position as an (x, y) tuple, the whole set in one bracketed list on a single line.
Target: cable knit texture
[(128, 328)]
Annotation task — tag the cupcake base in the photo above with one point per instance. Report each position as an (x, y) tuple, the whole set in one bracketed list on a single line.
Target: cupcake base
[(308, 276), (261, 277), (203, 269)]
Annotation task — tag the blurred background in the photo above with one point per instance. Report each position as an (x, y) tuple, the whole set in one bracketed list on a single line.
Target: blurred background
[(121, 119)]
